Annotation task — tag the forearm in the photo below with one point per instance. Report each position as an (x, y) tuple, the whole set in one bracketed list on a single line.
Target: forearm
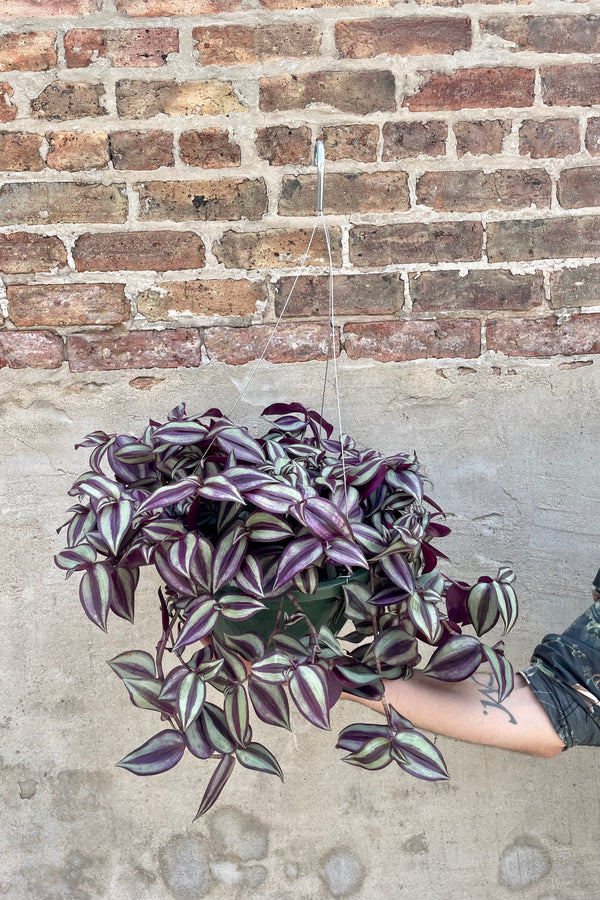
[(469, 711)]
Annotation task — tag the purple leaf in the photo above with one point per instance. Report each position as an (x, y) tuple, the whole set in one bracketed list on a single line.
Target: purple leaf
[(374, 754), (323, 519), (180, 433), (239, 608), (396, 648), (134, 453), (170, 494), (96, 486), (308, 688), (201, 564), (199, 623), (507, 602), (425, 617), (482, 606), (76, 558), (274, 497), (398, 571), (418, 756), (270, 703), (228, 556), (125, 582), (170, 686), (80, 524), (133, 664), (192, 693), (456, 602), (247, 479), (94, 439), (174, 562), (163, 530), (255, 756), (113, 522), (218, 487), (368, 537), (161, 752), (196, 740), (502, 669), (216, 784), (298, 555), (346, 553), (216, 730), (272, 668), (353, 737), (239, 442), (250, 645), (264, 527), (237, 714), (406, 481), (249, 577), (456, 659), (96, 593), (389, 596)]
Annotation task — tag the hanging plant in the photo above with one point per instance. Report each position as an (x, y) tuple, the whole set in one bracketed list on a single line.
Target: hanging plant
[(294, 566)]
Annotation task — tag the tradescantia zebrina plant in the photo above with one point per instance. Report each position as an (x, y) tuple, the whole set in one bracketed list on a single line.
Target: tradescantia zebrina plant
[(293, 565)]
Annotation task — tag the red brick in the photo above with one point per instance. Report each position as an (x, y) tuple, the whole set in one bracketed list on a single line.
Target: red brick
[(549, 138), (72, 151), (575, 85), (141, 150), (356, 92), (575, 287), (592, 137), (239, 45), (391, 341), (21, 9), (158, 251), (545, 337), (276, 247), (358, 142), (291, 343), (402, 140), (21, 253), (485, 88), (563, 236), (211, 148), (67, 304), (416, 242), (140, 99), (140, 47), (478, 191), (359, 295), (36, 349), (478, 289), (321, 4), (282, 146), (547, 34), (20, 152), (203, 201), (33, 51), (578, 188), (480, 138), (8, 110), (168, 300), (43, 203), (375, 192), (404, 35), (62, 100), (166, 349), (176, 7)]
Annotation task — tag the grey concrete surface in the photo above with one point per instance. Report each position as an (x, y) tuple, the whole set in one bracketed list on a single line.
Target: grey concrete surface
[(512, 451)]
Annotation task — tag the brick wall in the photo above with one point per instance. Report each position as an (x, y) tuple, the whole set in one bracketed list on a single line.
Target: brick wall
[(158, 191)]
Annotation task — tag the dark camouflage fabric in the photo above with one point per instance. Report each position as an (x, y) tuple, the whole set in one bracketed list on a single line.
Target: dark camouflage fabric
[(565, 676)]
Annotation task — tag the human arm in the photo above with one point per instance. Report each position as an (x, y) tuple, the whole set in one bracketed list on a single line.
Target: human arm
[(469, 711)]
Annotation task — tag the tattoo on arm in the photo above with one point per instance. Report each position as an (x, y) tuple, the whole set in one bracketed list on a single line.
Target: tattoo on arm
[(487, 687)]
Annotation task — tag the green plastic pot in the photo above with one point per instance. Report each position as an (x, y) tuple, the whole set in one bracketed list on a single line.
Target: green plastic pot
[(324, 607)]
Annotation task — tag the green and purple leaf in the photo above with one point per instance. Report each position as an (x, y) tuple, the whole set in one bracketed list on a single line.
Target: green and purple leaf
[(255, 756), (192, 694), (308, 689), (216, 784), (270, 703), (160, 753), (456, 659)]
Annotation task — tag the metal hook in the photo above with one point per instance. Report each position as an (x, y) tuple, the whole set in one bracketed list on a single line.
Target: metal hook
[(319, 161)]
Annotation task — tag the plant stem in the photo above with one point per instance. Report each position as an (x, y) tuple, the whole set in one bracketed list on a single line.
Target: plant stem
[(384, 702), (314, 637)]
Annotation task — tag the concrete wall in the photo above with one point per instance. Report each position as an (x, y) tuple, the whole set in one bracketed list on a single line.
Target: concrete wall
[(511, 447)]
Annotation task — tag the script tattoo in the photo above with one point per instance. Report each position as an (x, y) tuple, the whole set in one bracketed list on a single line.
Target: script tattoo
[(487, 687)]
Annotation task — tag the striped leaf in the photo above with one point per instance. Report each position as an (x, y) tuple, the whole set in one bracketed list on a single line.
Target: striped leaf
[(197, 741), (76, 558), (272, 668), (133, 664), (199, 623), (353, 737), (174, 562), (201, 564), (418, 756), (425, 617), (507, 602), (255, 756), (249, 578), (135, 452), (308, 688), (82, 522), (374, 754), (96, 593), (160, 753), (220, 488), (228, 556), (297, 555), (192, 693), (239, 442), (346, 553), (482, 606), (456, 659), (180, 433), (163, 530), (274, 497), (97, 487), (239, 608), (502, 669), (270, 703), (170, 687), (264, 527), (236, 710), (125, 581), (216, 784), (170, 494), (323, 519), (113, 522), (216, 730), (398, 571), (396, 648)]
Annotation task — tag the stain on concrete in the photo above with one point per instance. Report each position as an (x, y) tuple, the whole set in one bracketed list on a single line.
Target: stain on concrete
[(416, 844), (292, 870), (144, 382), (488, 524), (184, 867), (232, 874), (238, 834), (27, 788), (342, 872), (523, 863)]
